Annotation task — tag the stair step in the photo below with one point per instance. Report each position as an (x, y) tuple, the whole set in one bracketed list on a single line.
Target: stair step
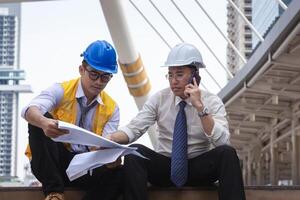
[(186, 193)]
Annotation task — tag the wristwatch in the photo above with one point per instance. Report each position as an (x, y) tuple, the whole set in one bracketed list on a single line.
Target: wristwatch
[(203, 113)]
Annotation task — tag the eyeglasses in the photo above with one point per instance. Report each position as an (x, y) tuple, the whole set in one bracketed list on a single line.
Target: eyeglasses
[(94, 75), (177, 77)]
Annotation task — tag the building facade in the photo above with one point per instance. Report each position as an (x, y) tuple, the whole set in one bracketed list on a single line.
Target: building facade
[(239, 33), (265, 14), (262, 14), (10, 75), (267, 151)]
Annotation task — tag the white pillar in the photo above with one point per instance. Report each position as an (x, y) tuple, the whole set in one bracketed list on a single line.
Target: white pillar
[(130, 61), (129, 58)]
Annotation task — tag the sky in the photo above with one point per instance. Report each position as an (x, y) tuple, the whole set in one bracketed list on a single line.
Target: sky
[(55, 33)]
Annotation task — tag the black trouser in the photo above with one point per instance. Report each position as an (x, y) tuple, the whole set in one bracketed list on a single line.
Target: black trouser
[(220, 163), (51, 159)]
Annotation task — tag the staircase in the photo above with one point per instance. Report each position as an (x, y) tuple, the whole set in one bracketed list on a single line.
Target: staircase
[(187, 193)]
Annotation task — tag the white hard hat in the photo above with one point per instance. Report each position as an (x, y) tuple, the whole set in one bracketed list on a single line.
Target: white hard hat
[(184, 54)]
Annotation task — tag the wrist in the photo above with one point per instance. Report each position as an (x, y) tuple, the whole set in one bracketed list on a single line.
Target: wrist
[(199, 107), (203, 112), (43, 121)]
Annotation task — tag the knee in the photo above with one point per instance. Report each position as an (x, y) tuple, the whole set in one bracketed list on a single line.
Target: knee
[(230, 156), (48, 115), (140, 148), (137, 145), (227, 150), (37, 133), (37, 130)]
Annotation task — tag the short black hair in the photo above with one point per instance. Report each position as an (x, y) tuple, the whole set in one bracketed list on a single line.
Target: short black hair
[(84, 63)]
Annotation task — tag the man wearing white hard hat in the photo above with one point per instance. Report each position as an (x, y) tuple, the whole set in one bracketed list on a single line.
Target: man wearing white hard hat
[(189, 122), (83, 102)]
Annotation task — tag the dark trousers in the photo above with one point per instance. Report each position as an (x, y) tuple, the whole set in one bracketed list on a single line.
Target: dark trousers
[(51, 159), (220, 163)]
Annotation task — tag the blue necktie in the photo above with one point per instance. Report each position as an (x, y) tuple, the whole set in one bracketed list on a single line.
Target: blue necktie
[(179, 166), (84, 110)]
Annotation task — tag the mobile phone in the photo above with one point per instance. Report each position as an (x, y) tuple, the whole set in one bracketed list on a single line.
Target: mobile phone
[(194, 75)]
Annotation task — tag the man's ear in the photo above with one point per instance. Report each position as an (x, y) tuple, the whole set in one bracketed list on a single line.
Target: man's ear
[(81, 70)]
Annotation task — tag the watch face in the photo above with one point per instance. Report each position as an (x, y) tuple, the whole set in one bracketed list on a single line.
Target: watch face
[(205, 110), (203, 113)]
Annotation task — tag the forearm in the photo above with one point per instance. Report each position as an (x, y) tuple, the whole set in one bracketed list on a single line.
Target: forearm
[(50, 126), (214, 123), (119, 137), (207, 124), (34, 116)]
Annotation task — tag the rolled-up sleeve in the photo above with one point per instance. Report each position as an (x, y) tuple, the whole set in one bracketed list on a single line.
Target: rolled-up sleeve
[(144, 119), (220, 132), (47, 100), (113, 123)]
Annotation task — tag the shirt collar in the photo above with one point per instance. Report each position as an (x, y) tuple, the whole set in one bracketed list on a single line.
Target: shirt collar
[(178, 100), (80, 94)]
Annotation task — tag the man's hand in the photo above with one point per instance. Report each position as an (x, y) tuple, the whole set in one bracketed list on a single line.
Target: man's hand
[(193, 91), (117, 163), (50, 128), (118, 137), (109, 137)]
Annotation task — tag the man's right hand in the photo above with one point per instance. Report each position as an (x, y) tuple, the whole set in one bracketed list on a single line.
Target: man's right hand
[(118, 137), (50, 128)]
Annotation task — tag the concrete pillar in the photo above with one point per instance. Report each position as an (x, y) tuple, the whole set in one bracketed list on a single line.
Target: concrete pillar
[(273, 156), (249, 174), (259, 172), (244, 170), (295, 139)]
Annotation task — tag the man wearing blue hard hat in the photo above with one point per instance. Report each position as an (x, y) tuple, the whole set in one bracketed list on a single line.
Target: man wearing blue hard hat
[(83, 102)]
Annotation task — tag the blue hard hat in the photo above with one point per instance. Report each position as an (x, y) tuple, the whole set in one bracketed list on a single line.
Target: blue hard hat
[(101, 56)]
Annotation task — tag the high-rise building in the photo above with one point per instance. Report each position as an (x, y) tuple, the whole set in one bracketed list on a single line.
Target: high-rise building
[(239, 33), (10, 75), (262, 14), (265, 13)]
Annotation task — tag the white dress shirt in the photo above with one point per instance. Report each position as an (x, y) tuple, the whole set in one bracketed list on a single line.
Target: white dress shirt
[(50, 98), (163, 107)]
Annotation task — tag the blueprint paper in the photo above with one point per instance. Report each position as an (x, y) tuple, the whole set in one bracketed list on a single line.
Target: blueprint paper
[(82, 163), (78, 135)]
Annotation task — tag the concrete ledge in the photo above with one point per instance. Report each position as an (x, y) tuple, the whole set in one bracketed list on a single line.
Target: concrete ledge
[(187, 193)]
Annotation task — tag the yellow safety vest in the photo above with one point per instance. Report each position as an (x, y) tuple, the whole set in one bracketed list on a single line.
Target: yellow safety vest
[(67, 109)]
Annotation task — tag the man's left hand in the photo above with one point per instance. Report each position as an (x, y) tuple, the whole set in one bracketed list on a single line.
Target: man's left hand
[(115, 164)]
